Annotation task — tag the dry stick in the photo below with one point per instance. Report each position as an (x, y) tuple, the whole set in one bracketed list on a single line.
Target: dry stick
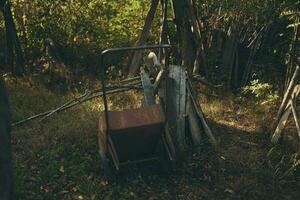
[(65, 104), (130, 79), (210, 95), (294, 165), (84, 98), (205, 82), (78, 100), (63, 108)]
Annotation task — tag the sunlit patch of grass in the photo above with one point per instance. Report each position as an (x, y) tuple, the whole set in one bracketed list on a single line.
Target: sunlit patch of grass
[(125, 100), (246, 114)]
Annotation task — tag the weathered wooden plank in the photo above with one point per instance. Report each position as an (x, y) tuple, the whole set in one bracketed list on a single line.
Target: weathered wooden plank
[(200, 114), (182, 108), (280, 123), (286, 98), (194, 123), (295, 117), (176, 101), (143, 37), (148, 89)]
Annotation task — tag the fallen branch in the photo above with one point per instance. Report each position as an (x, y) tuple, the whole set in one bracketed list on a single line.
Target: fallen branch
[(64, 105), (88, 95), (128, 84), (204, 81)]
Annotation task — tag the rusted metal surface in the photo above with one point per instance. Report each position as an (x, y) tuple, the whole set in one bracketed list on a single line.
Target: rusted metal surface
[(134, 132)]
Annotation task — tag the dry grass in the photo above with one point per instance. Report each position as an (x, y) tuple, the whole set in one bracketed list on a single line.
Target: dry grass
[(58, 158)]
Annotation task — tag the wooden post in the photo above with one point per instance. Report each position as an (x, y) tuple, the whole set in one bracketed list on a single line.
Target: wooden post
[(287, 95), (143, 37), (282, 119)]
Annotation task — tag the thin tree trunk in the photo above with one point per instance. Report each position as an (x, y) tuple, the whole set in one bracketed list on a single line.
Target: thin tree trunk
[(9, 60), (18, 49), (185, 35), (13, 42), (6, 178), (164, 29), (197, 31), (143, 37)]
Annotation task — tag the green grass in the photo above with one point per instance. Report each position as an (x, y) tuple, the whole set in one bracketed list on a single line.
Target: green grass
[(58, 158)]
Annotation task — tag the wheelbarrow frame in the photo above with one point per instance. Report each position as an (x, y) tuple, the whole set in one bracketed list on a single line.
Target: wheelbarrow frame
[(108, 140)]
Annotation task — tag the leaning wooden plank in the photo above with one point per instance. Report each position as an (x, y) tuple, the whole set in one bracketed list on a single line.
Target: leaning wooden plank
[(284, 117), (182, 107), (113, 153), (200, 114), (295, 117), (159, 79), (148, 88), (195, 129), (286, 98), (143, 37), (170, 144), (280, 125)]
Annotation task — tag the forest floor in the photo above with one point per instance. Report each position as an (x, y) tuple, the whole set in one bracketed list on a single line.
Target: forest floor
[(58, 158)]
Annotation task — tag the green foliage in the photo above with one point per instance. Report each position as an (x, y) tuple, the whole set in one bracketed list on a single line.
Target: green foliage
[(263, 92), (75, 32)]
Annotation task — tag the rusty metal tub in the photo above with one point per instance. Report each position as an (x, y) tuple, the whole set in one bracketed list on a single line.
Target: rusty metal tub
[(134, 132)]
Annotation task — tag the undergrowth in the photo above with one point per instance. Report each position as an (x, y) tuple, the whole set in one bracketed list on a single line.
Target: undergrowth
[(58, 158)]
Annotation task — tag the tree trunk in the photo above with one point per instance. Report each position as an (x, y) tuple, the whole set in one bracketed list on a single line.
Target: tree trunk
[(12, 41), (5, 147), (185, 35), (164, 29), (144, 35), (198, 40), (9, 60)]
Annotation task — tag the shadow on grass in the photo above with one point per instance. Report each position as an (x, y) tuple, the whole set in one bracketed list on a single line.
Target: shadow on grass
[(64, 164)]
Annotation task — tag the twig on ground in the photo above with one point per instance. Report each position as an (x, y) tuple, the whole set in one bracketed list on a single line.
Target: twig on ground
[(88, 95)]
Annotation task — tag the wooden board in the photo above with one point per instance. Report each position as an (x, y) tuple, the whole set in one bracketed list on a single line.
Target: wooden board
[(285, 114), (200, 115), (176, 104), (148, 89), (195, 126)]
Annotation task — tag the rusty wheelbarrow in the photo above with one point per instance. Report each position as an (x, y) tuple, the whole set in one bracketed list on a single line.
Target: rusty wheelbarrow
[(131, 135)]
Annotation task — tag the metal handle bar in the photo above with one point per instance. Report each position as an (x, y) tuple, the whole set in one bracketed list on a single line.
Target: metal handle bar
[(107, 51)]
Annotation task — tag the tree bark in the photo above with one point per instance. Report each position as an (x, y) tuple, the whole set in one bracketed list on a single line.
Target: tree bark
[(164, 29), (12, 41), (198, 38), (9, 59), (185, 35), (143, 37), (5, 147)]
